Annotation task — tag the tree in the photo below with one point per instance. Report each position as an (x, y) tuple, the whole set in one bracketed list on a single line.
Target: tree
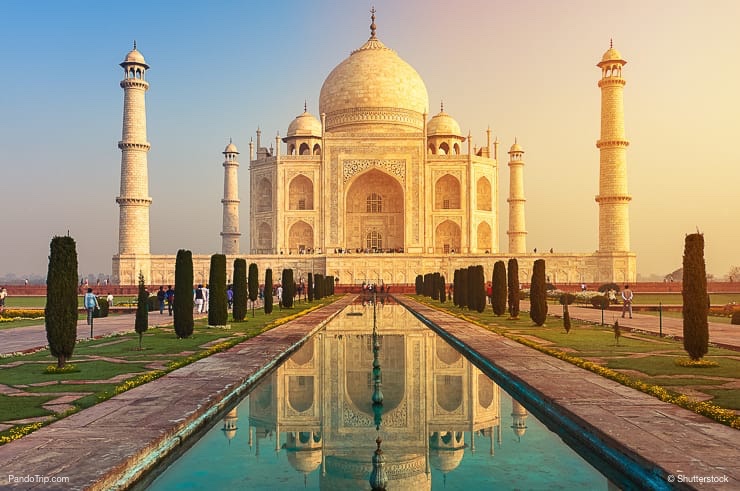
[(288, 288), (498, 299), (435, 286), (254, 284), (463, 293), (513, 277), (455, 288), (310, 287), (60, 313), (538, 294), (318, 291), (565, 300), (239, 310), (694, 292), (218, 309), (268, 291), (183, 310), (442, 292), (419, 284), (734, 274), (476, 288), (142, 309)]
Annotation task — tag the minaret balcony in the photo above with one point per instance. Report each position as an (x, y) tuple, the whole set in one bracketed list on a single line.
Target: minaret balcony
[(611, 143), (614, 199), (134, 146), (133, 201)]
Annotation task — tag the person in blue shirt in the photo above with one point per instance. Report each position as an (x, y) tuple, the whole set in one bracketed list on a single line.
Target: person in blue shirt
[(91, 303)]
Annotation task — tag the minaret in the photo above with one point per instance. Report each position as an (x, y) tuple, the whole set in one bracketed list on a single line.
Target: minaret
[(517, 232), (134, 200), (614, 233), (230, 234)]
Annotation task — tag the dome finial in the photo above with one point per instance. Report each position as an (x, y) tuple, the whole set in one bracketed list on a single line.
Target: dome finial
[(134, 44), (305, 106), (611, 43), (441, 106), (230, 140), (372, 25)]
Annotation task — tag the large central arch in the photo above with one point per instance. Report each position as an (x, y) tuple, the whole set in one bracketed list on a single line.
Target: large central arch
[(374, 213)]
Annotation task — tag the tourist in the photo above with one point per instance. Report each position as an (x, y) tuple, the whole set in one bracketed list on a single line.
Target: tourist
[(170, 295), (627, 297), (3, 296), (161, 298), (206, 298), (109, 299), (91, 304), (280, 296), (230, 297), (198, 296)]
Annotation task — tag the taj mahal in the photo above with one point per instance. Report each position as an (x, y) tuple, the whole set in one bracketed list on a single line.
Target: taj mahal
[(375, 189)]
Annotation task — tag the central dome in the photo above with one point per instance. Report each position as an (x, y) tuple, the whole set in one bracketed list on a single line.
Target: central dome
[(373, 85)]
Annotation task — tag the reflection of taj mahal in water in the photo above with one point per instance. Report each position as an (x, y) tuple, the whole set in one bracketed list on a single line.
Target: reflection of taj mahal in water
[(375, 189), (317, 407)]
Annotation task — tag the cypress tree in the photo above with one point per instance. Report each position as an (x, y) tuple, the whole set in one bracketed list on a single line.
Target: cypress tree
[(310, 287), (330, 285), (183, 308), (142, 310), (318, 292), (694, 292), (479, 287), (435, 286), (60, 313), (455, 287), (419, 284), (565, 300), (288, 288), (442, 291), (239, 311), (268, 291), (538, 294), (513, 277), (498, 298), (463, 294), (218, 309), (254, 284)]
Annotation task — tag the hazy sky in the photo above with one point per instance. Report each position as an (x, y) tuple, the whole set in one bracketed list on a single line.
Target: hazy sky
[(220, 69)]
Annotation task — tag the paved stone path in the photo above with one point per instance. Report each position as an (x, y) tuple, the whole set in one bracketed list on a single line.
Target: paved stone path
[(114, 441)]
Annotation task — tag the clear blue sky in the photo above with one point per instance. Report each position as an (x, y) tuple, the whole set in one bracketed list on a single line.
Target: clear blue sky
[(220, 69)]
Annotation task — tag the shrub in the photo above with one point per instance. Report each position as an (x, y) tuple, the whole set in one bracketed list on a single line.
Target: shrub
[(142, 313), (608, 286), (419, 284), (537, 294), (476, 288), (455, 288), (104, 307), (218, 309), (253, 282), (239, 309), (435, 286), (268, 291), (60, 313), (600, 302), (288, 288), (442, 289), (310, 287), (183, 308), (514, 294), (498, 298), (694, 292), (735, 318)]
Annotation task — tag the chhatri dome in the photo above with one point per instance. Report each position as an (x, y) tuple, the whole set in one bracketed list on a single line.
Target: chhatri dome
[(611, 54), (305, 125), (443, 124), (135, 56), (374, 85)]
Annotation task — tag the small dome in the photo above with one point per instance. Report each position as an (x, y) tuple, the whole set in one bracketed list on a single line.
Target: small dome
[(611, 55), (231, 148), (135, 56), (516, 148), (305, 460), (446, 460), (305, 125), (443, 125)]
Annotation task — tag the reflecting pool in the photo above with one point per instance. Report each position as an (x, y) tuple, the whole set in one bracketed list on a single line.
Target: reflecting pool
[(377, 396)]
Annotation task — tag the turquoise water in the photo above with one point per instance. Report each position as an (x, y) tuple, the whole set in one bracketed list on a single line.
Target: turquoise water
[(442, 423)]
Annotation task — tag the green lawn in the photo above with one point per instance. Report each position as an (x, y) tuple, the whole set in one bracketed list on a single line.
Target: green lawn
[(122, 359), (640, 357)]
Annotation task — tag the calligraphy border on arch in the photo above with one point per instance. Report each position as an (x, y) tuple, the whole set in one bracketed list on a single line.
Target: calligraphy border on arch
[(396, 167)]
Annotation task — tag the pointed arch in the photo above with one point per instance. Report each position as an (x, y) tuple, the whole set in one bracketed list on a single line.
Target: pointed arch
[(264, 237), (300, 237), (444, 148), (304, 149), (484, 237), (300, 193), (374, 204), (483, 197), (264, 195), (317, 149), (447, 237), (447, 193)]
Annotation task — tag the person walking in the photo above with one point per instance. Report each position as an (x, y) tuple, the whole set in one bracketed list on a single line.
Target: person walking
[(199, 299), (161, 298), (627, 297), (170, 294), (91, 303), (109, 298), (3, 296), (280, 296)]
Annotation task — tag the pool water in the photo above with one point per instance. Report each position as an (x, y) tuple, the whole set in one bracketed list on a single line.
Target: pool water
[(376, 377)]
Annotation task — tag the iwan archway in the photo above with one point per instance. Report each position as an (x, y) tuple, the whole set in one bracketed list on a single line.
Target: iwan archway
[(374, 219)]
